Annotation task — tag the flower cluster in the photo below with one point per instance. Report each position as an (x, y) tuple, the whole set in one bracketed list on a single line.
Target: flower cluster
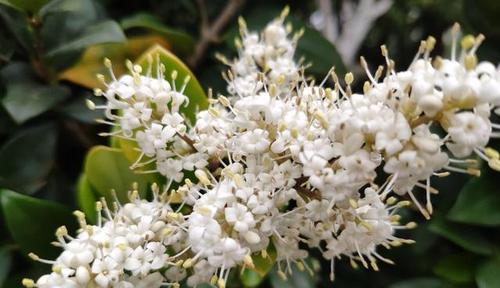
[(281, 164)]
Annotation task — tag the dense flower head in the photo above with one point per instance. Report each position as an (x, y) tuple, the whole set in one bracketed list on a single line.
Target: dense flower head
[(281, 163)]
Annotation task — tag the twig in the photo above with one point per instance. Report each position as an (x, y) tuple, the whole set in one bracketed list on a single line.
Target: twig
[(329, 27), (349, 27), (357, 25), (210, 32)]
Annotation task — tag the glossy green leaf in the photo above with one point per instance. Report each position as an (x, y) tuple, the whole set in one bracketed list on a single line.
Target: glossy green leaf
[(487, 275), (478, 202), (419, 283), (107, 169), (86, 197), (194, 91), (250, 278), (17, 24), (298, 279), (466, 237), (312, 46), (5, 263), (63, 6), (181, 41), (27, 159), (32, 222), (27, 100), (458, 268), (31, 6), (103, 32)]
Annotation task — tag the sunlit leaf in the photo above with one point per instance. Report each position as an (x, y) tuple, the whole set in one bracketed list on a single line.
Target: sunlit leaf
[(87, 197), (91, 63), (107, 169), (22, 212), (181, 42)]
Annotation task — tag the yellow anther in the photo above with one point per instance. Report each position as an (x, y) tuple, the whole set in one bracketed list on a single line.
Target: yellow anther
[(282, 275), (391, 200), (411, 225), (494, 164), (174, 75), (224, 101), (61, 231), (56, 268), (474, 172), (188, 263), (353, 203), (221, 283), (470, 62), (285, 12), (430, 43), (29, 283), (33, 256), (349, 78), (79, 214), (320, 116), (294, 132), (202, 176), (98, 92), (213, 112), (374, 265), (90, 104), (491, 153), (248, 261), (404, 203), (273, 90), (467, 42), (354, 265)]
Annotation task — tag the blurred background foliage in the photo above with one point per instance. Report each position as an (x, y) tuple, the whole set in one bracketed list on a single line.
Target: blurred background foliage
[(50, 51)]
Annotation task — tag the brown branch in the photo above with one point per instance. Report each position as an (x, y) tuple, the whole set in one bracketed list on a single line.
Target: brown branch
[(210, 32)]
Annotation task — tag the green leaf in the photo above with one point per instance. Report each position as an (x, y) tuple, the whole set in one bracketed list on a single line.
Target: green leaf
[(264, 265), (32, 222), (87, 197), (5, 263), (250, 278), (458, 268), (478, 202), (194, 91), (312, 46), (103, 32), (181, 41), (107, 169), (31, 6), (466, 237), (63, 6), (27, 100), (27, 159), (298, 279), (78, 110), (487, 275), (419, 283), (17, 23)]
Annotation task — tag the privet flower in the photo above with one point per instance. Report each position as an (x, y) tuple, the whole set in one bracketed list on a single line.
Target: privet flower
[(281, 163)]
